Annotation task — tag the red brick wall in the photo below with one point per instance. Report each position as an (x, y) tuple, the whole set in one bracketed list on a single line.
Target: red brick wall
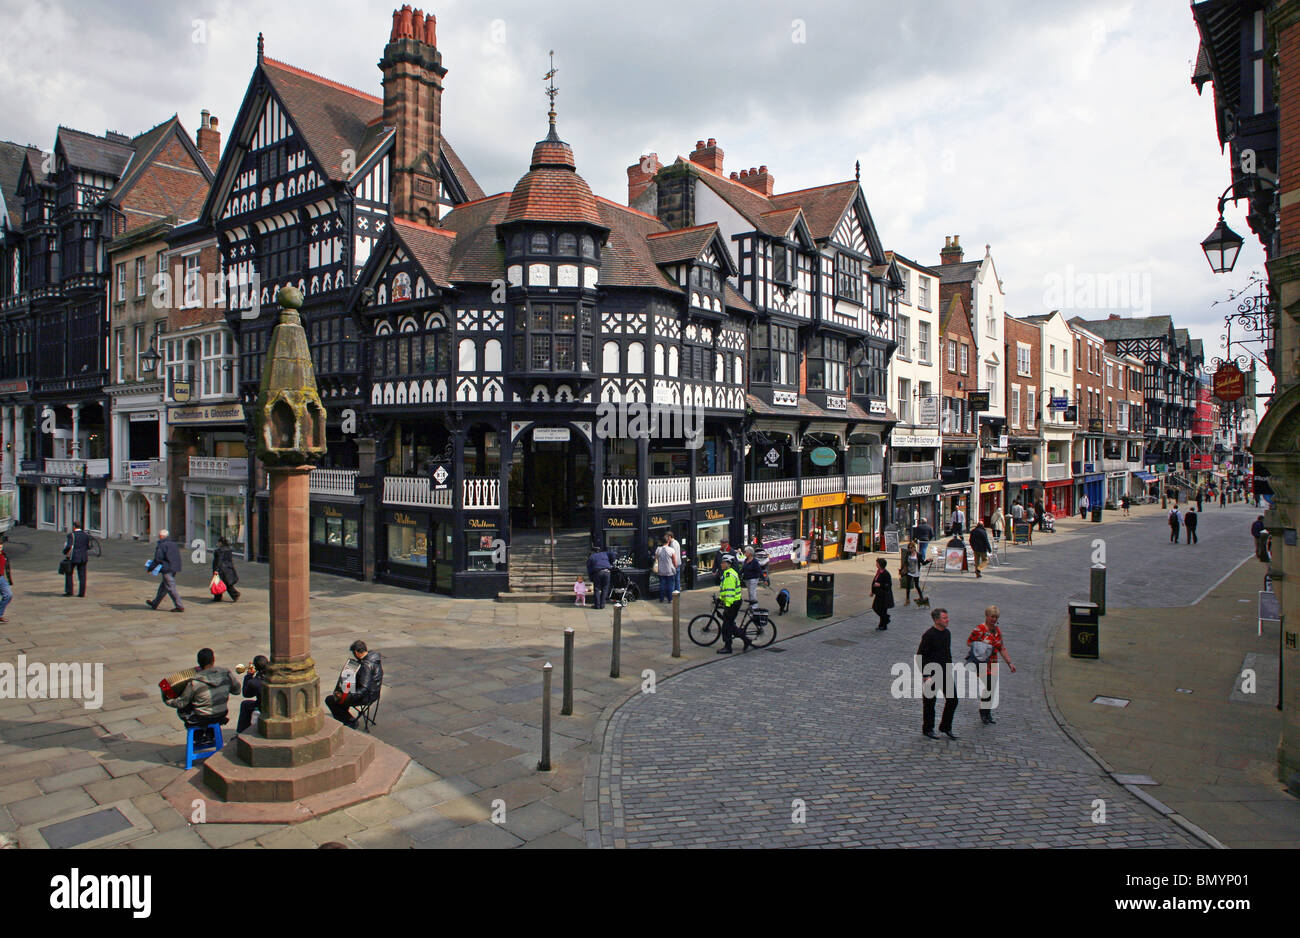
[(1029, 334), (1288, 51)]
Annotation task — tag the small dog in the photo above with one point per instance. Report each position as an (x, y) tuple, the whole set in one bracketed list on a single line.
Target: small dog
[(783, 601), (922, 602)]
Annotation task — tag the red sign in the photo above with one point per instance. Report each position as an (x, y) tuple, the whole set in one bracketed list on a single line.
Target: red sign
[(1229, 383)]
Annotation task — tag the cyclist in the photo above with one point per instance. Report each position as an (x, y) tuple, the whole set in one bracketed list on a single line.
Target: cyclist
[(729, 593)]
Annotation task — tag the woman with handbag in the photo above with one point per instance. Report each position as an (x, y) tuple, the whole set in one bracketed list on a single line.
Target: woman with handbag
[(882, 592), (224, 576), (984, 646)]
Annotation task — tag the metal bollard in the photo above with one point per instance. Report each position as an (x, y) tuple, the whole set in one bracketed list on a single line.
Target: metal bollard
[(618, 640), (677, 623), (1097, 588), (566, 708), (545, 764)]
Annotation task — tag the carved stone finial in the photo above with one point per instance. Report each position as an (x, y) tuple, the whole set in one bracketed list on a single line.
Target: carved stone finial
[(290, 417)]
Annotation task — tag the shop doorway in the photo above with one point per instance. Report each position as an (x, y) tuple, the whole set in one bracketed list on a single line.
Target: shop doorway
[(551, 484)]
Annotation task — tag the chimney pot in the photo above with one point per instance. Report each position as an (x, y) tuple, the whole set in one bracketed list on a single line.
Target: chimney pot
[(710, 156), (735, 175), (744, 174), (956, 241), (762, 169), (713, 142), (699, 144), (203, 117)]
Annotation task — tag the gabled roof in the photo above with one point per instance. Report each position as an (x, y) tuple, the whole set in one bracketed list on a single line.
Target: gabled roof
[(823, 206), (895, 256), (146, 146), (780, 221), (12, 157), (1182, 337), (958, 273), (1198, 349), (102, 155), (330, 116), (955, 305), (431, 248)]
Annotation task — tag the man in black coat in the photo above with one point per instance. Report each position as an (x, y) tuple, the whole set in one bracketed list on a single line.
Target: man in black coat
[(1190, 521), (980, 546), (166, 555), (368, 680), (77, 550), (598, 567), (923, 534), (253, 691), (935, 650)]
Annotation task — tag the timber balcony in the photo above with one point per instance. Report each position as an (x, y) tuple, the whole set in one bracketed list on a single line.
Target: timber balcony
[(333, 481), (77, 467), (666, 492), (478, 494), (219, 467)]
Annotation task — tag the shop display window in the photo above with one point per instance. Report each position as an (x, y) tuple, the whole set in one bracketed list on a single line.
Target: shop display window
[(478, 549), (407, 545), (225, 518), (622, 546), (709, 538)]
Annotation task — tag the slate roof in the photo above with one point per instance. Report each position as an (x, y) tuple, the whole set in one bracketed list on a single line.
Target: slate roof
[(334, 117), (681, 244), (431, 248), (95, 154), (11, 164), (958, 273), (1182, 337), (894, 255), (1145, 327)]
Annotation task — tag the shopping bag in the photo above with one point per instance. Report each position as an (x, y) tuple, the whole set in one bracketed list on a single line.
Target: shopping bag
[(217, 586)]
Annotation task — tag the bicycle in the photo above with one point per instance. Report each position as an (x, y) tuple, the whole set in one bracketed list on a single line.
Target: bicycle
[(706, 628)]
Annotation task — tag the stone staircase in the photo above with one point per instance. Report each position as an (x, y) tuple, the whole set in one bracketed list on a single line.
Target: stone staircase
[(530, 564)]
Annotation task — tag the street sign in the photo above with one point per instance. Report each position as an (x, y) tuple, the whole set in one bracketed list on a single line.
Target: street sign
[(1059, 403), (1229, 383)]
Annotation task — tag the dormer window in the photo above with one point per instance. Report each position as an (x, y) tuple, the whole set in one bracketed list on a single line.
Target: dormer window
[(781, 265), (540, 244), (848, 279)]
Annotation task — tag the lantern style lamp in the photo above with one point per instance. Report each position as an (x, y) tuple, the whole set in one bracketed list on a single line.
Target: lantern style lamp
[(1222, 247)]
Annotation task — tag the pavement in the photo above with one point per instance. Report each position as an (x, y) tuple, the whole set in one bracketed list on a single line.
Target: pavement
[(814, 747), (463, 698)]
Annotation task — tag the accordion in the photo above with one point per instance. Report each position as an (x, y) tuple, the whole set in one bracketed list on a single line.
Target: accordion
[(173, 686)]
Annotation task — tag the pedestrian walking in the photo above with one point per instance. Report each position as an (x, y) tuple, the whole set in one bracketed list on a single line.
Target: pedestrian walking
[(677, 561), (1175, 520), (998, 521), (923, 534), (882, 593), (989, 635), (958, 521), (6, 583), (1083, 507), (77, 551), (223, 569), (1223, 498), (750, 573), (1189, 520), (598, 567), (1029, 522), (1017, 512), (1256, 528), (665, 566), (935, 654), (1200, 496), (167, 556), (980, 546), (1124, 502)]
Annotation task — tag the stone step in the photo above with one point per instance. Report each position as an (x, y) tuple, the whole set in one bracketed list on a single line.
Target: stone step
[(234, 780)]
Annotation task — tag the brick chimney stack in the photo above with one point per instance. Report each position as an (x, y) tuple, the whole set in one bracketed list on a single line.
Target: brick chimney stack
[(952, 252), (413, 73), (758, 179), (708, 155), (640, 174), (208, 139)]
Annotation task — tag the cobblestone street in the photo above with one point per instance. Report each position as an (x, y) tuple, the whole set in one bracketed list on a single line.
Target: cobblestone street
[(727, 755)]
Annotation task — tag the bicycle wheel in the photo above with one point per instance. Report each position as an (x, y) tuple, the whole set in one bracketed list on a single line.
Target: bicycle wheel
[(632, 594), (92, 547), (704, 629), (763, 635)]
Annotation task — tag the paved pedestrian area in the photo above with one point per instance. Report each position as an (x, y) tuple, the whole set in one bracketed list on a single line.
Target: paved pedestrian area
[(804, 745)]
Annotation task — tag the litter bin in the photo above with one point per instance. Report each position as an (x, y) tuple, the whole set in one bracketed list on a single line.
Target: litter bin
[(821, 595), (1085, 632), (1096, 514)]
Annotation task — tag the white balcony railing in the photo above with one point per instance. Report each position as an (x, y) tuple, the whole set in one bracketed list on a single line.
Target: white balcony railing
[(482, 494), (620, 493), (773, 490), (76, 467), (217, 467), (670, 491), (1114, 465), (821, 485), (417, 491), (715, 488), (333, 481), (869, 484), (1057, 471), (912, 472), (1020, 471)]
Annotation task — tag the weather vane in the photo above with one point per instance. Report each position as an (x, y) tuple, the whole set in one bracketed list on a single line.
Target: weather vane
[(551, 90)]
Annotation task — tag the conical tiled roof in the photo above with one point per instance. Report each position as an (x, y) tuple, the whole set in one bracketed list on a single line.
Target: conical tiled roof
[(552, 190)]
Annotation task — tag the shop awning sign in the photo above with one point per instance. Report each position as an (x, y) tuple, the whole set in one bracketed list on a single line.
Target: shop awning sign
[(775, 508), (915, 490)]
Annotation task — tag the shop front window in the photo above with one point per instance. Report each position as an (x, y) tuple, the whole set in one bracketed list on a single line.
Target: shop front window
[(478, 549), (93, 519), (407, 545), (225, 519), (709, 538)]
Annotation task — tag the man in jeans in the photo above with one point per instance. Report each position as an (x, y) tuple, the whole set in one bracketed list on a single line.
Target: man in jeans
[(666, 568), (166, 555), (598, 567)]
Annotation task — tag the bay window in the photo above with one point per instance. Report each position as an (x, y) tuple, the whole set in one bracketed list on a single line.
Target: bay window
[(774, 355), (827, 363)]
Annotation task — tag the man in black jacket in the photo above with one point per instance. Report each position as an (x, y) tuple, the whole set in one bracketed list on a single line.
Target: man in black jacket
[(77, 550), (166, 555), (1190, 520), (252, 690), (935, 651), (369, 678), (599, 564), (980, 546), (923, 534)]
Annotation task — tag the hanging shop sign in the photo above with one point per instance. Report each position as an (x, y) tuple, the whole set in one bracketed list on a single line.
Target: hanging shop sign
[(550, 434), (977, 401)]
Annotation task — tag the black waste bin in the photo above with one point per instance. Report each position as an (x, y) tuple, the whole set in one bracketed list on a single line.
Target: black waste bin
[(1096, 514), (1085, 632), (821, 595)]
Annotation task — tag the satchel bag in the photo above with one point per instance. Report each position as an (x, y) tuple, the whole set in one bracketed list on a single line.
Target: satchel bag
[(217, 587), (979, 652), (65, 566)]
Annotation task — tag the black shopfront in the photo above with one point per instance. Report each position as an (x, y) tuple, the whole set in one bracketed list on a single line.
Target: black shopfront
[(337, 536)]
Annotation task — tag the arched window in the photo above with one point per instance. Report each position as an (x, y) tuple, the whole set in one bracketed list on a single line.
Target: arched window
[(540, 244), (738, 371), (609, 362), (468, 356), (589, 246), (568, 244), (720, 368), (659, 358), (517, 244), (672, 361), (636, 358), (492, 355)]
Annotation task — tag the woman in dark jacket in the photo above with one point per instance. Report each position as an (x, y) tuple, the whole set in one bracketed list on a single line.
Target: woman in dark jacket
[(223, 565), (882, 592)]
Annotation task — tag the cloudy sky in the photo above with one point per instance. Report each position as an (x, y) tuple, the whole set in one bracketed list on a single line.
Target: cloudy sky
[(1066, 136)]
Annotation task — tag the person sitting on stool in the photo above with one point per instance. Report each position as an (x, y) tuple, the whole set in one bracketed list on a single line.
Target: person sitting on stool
[(369, 678), (252, 689), (203, 702)]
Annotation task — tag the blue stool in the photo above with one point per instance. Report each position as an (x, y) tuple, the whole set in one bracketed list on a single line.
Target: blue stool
[(194, 753)]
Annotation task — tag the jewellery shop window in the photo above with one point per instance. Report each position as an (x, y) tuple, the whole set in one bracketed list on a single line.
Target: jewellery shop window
[(708, 542), (334, 532), (622, 547), (408, 545), (479, 552)]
